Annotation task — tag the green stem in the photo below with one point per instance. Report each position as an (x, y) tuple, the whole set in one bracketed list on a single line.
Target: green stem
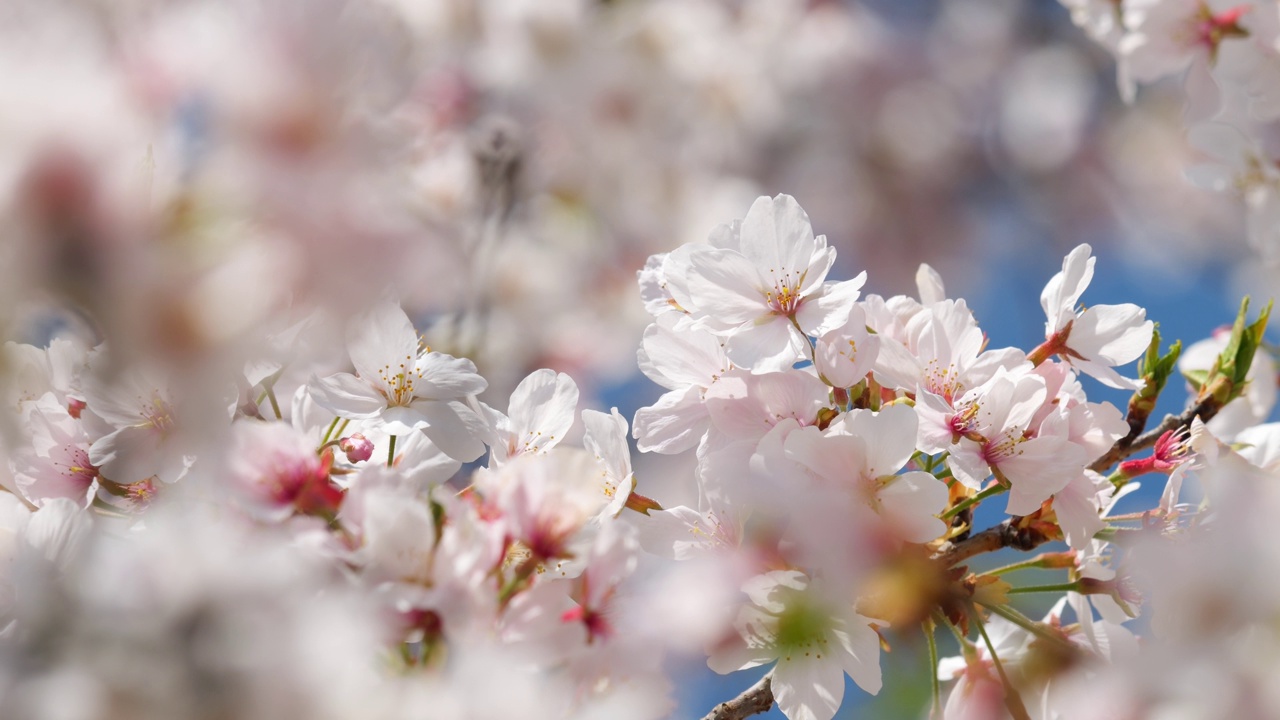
[(391, 452), (523, 571), (941, 619), (1026, 623), (1012, 700), (1059, 588), (1035, 562), (967, 503), (935, 710), (329, 432), (275, 406)]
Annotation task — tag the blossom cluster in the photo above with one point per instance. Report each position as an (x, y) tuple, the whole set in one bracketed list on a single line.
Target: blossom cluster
[(1228, 54), (842, 442), (271, 445)]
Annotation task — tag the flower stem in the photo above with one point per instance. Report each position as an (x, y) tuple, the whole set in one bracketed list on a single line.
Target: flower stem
[(275, 406), (935, 709), (1026, 623), (1043, 561), (967, 503), (1059, 588), (941, 619), (329, 432), (391, 452), (1012, 700)]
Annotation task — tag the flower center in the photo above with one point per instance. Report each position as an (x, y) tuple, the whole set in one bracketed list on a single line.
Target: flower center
[(399, 383), (784, 298)]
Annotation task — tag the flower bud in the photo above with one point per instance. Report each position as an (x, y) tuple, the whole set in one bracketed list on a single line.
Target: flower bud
[(357, 447)]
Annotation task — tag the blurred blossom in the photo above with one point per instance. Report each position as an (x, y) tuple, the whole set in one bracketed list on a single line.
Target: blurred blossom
[(312, 311)]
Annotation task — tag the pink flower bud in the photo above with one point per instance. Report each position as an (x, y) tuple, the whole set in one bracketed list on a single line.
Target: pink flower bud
[(357, 447)]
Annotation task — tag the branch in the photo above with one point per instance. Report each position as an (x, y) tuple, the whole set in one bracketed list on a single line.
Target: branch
[(1129, 444), (754, 700), (1004, 535)]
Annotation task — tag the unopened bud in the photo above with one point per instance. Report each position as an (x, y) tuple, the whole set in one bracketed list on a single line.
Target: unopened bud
[(357, 447), (75, 407)]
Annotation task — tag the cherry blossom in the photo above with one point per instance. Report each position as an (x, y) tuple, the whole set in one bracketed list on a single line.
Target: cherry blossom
[(540, 414), (1098, 338), (813, 637), (403, 386), (866, 451), (760, 286)]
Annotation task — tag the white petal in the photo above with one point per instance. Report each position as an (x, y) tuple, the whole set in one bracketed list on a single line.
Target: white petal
[(807, 688), (830, 308), (769, 344), (606, 437), (929, 285), (454, 428), (861, 646), (911, 502), (673, 424), (544, 403), (347, 396), (776, 235), (1112, 334), (1063, 290), (725, 289), (890, 437), (967, 464), (380, 337), (445, 377)]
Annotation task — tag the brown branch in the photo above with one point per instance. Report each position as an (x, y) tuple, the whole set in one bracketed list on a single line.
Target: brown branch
[(754, 700), (1128, 445), (1004, 535)]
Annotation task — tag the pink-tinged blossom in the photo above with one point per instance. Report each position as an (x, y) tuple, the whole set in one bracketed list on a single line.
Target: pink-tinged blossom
[(547, 500), (279, 470), (988, 432), (865, 452), (56, 462), (1240, 165), (1078, 507), (813, 634), (1164, 37), (32, 372), (1094, 340), (54, 534), (846, 354), (401, 387), (145, 443), (745, 406), (540, 413), (940, 351), (683, 533), (750, 413), (686, 362), (979, 690), (762, 289), (1094, 427), (979, 693)]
